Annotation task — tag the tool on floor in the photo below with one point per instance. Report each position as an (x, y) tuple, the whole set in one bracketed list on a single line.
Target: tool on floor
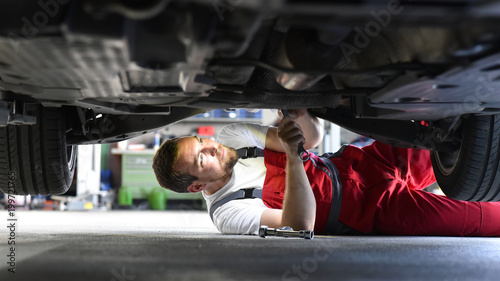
[(285, 231), (303, 155)]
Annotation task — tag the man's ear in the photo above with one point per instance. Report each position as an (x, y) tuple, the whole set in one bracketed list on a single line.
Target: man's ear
[(196, 187)]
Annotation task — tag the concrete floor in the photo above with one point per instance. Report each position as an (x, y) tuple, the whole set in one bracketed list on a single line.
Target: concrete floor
[(180, 245)]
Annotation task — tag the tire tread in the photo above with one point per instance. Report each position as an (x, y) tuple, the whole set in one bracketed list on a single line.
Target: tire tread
[(477, 175), (36, 154)]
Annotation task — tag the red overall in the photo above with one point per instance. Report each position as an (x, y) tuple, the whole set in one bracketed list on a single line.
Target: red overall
[(382, 194)]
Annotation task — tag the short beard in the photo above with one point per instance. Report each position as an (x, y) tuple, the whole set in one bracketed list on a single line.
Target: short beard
[(232, 160)]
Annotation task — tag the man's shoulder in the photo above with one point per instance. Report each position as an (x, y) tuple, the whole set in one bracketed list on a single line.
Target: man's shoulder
[(239, 135)]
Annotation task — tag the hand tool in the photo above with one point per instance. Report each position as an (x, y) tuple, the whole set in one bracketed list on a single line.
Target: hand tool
[(285, 231), (303, 155)]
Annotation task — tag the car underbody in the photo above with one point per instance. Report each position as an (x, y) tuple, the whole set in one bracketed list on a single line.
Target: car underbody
[(414, 74)]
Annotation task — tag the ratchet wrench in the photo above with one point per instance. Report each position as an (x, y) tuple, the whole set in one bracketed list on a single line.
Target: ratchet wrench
[(285, 231), (303, 155)]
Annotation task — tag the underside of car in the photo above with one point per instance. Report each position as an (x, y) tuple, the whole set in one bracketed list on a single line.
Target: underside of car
[(416, 74)]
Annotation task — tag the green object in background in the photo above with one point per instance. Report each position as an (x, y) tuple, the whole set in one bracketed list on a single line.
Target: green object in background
[(138, 175), (124, 196), (157, 199)]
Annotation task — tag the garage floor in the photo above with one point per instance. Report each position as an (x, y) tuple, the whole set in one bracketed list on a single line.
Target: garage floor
[(183, 245)]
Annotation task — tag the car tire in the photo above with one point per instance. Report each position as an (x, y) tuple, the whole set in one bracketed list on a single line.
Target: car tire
[(34, 159), (472, 173)]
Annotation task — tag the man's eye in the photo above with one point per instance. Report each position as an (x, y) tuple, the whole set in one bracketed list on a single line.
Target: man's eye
[(201, 159), (201, 140)]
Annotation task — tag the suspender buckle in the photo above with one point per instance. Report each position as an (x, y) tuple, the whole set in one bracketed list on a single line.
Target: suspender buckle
[(248, 192), (248, 152)]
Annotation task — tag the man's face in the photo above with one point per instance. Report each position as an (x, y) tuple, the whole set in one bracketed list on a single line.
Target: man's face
[(205, 159)]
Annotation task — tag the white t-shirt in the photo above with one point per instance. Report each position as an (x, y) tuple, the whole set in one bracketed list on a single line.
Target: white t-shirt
[(241, 216)]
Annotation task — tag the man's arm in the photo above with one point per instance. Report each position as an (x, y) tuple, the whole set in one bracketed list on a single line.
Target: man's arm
[(299, 206)]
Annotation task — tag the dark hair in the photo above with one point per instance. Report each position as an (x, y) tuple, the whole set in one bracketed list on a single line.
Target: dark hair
[(163, 166)]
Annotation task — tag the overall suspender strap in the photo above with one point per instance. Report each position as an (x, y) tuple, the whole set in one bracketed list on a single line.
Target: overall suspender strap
[(333, 225), (250, 152), (240, 194)]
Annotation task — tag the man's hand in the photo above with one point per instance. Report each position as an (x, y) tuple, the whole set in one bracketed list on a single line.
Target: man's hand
[(290, 134), (311, 128)]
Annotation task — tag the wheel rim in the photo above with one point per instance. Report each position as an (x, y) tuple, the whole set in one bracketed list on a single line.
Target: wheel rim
[(446, 161), (71, 156)]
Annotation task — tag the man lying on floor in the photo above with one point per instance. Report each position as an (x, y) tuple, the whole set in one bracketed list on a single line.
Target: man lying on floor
[(377, 189)]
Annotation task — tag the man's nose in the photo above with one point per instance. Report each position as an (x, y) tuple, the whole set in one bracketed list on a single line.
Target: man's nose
[(212, 150)]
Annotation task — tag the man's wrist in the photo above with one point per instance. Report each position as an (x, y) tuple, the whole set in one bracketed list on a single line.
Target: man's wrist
[(294, 158)]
